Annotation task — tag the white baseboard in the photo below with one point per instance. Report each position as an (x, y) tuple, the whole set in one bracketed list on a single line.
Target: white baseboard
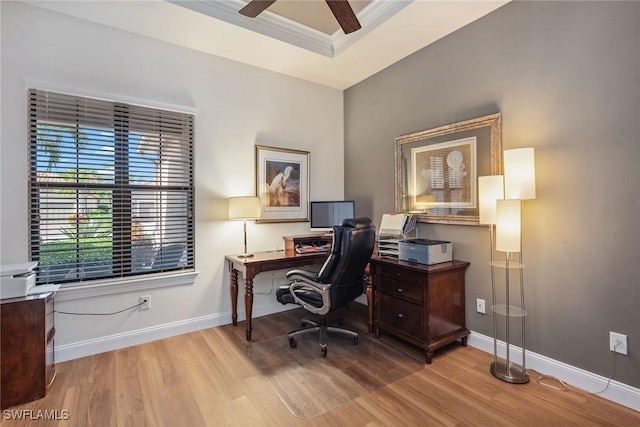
[(618, 392), (90, 347)]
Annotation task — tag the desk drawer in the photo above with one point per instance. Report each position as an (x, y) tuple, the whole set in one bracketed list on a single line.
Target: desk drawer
[(401, 315), (289, 263), (300, 262), (406, 290), (400, 274)]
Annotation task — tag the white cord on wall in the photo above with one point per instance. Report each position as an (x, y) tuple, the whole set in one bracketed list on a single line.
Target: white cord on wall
[(564, 386)]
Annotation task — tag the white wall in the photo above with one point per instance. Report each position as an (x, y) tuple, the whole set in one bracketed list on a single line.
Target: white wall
[(237, 105)]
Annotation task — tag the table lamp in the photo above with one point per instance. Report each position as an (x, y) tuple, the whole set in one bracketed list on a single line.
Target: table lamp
[(244, 208)]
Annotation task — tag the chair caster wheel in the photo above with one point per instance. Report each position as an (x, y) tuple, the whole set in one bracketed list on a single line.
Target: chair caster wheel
[(293, 343), (355, 340), (324, 351)]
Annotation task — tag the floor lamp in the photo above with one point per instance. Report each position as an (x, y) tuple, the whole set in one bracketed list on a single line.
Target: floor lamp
[(491, 189), (519, 185), (508, 240), (244, 209)]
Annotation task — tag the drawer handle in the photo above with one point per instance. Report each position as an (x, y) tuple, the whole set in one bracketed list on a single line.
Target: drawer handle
[(400, 290), (400, 315)]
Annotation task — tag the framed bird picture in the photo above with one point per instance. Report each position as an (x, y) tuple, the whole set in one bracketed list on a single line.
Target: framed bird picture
[(282, 185)]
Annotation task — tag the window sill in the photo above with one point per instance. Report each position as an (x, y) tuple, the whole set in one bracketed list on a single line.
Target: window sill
[(73, 291)]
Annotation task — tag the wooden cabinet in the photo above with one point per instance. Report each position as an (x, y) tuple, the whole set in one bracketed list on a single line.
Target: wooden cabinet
[(421, 304), (27, 348)]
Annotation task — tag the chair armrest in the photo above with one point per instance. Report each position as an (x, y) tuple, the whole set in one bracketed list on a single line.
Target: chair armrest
[(302, 274), (309, 285)]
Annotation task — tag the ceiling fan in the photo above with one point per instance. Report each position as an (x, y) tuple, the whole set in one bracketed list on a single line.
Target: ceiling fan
[(340, 9)]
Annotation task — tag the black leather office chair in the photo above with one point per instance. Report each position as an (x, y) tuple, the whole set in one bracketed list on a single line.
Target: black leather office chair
[(340, 280)]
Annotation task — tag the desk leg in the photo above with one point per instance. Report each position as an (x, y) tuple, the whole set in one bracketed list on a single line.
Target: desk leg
[(234, 296), (369, 293), (248, 302)]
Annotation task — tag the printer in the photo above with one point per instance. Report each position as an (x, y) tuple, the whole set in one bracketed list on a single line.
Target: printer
[(425, 251), (16, 280)]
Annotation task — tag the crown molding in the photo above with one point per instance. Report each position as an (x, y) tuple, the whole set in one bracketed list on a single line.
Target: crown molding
[(286, 30), (377, 12)]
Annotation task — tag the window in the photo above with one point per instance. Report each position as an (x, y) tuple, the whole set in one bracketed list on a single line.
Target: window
[(111, 188)]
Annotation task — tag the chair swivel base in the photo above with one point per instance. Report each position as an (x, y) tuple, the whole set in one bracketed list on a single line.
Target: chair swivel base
[(322, 328)]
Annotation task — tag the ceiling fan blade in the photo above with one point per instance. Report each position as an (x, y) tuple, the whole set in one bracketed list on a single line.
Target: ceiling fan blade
[(344, 15), (256, 7)]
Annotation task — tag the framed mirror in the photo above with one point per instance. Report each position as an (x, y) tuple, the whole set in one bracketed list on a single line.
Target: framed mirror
[(437, 169)]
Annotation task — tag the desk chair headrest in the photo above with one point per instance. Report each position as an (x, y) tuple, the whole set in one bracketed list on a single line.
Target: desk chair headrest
[(357, 223), (349, 230)]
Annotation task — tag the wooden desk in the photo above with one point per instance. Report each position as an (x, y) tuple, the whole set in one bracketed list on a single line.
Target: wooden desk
[(250, 267)]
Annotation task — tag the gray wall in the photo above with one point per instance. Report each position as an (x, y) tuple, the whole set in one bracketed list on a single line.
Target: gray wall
[(566, 78)]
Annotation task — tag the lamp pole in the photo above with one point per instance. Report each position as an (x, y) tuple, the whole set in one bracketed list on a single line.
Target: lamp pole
[(246, 254)]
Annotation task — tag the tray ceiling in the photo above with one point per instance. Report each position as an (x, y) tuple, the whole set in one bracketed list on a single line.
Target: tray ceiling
[(295, 37)]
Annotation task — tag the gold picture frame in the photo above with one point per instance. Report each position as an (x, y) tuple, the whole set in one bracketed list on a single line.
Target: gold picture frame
[(437, 170), (282, 184)]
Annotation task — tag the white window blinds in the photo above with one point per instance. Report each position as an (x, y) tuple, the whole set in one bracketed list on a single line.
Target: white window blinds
[(111, 188)]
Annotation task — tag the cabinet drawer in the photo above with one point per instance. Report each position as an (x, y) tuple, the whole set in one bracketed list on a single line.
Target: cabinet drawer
[(50, 363), (48, 318), (401, 315), (396, 288), (400, 274)]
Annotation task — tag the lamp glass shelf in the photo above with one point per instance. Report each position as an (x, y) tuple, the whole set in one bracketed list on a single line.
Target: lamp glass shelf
[(514, 310), (503, 264)]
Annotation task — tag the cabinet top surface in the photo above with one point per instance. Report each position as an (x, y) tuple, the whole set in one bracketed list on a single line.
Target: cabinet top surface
[(451, 265), (27, 297)]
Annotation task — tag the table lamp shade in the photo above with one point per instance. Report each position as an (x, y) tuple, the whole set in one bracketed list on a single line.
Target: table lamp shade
[(490, 189), (519, 174), (244, 208), (508, 219)]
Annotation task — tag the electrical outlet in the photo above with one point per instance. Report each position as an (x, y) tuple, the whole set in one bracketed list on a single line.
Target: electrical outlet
[(618, 343), (145, 302), (480, 306)]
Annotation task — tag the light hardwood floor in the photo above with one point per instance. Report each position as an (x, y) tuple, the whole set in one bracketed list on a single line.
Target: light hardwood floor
[(205, 378)]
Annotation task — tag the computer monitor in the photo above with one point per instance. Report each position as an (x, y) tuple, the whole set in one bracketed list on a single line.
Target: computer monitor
[(326, 214)]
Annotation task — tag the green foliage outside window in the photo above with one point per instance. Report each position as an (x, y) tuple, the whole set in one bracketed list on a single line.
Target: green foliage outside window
[(89, 244)]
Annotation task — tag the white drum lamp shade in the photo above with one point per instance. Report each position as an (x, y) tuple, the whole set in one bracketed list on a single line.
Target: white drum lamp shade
[(241, 208), (519, 174), (490, 189), (508, 221), (244, 208)]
